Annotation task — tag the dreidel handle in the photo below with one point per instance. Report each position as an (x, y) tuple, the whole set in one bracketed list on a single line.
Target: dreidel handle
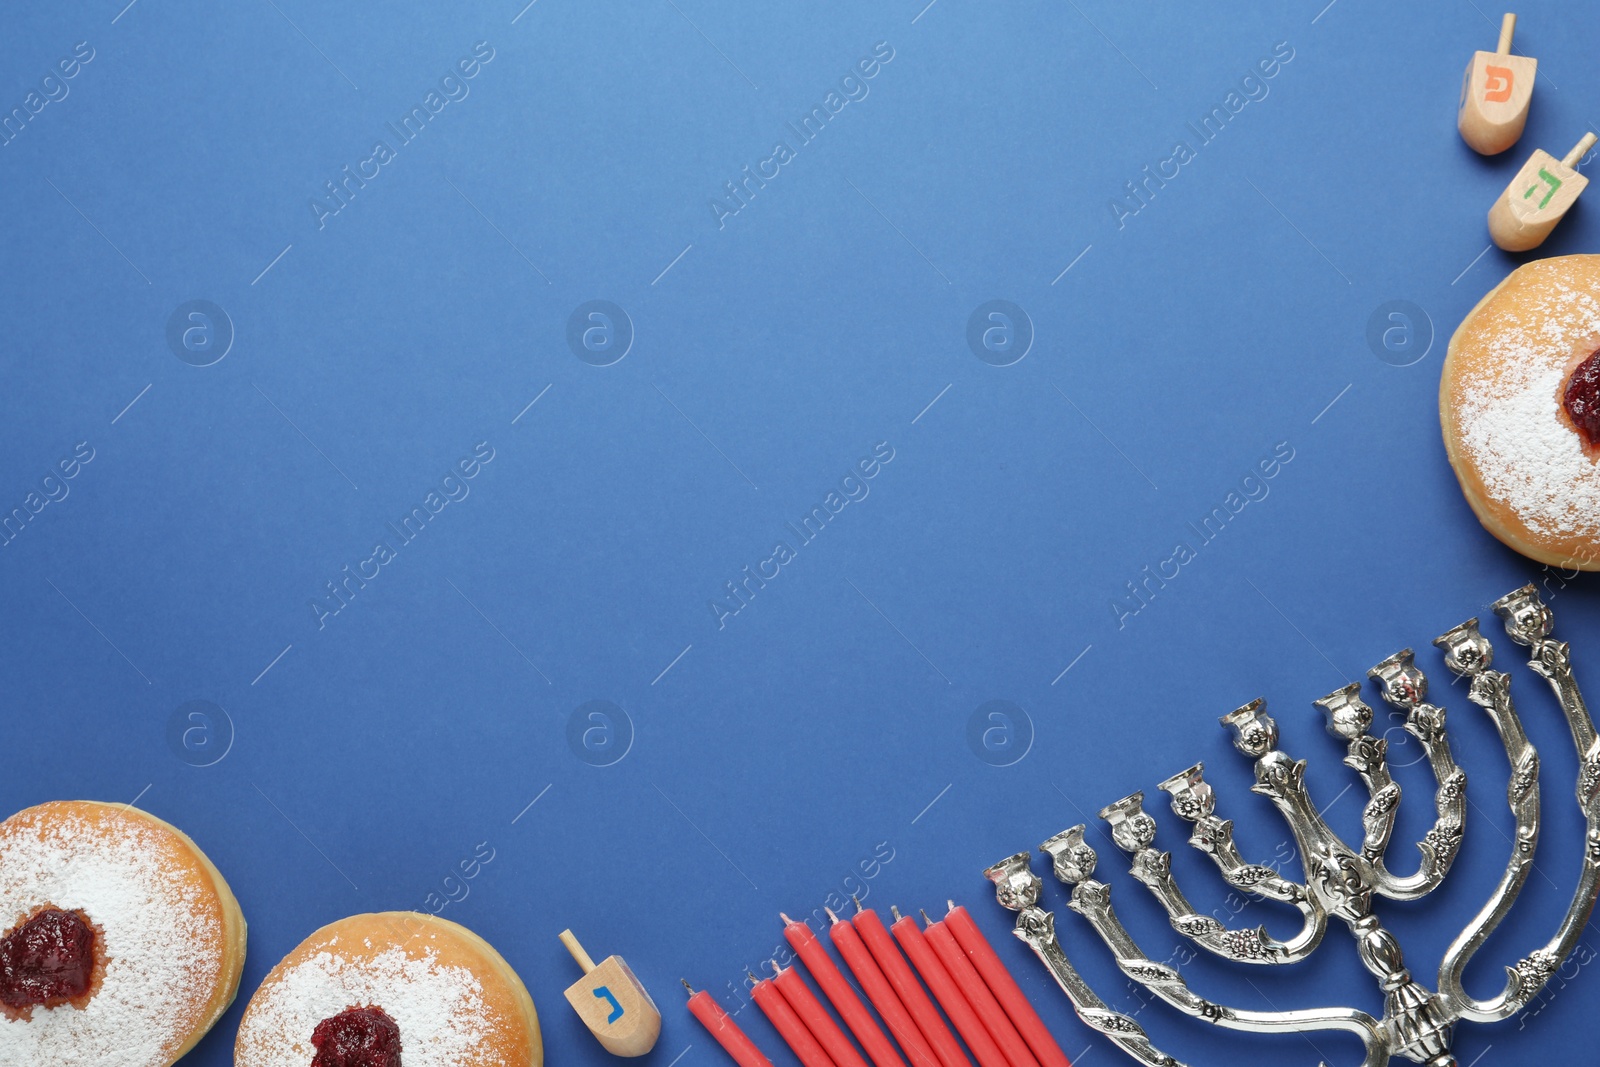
[(1508, 27), (570, 940), (1570, 161)]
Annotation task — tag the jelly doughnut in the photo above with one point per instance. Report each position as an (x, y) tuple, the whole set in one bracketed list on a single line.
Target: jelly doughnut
[(120, 942), (1520, 405), (370, 988)]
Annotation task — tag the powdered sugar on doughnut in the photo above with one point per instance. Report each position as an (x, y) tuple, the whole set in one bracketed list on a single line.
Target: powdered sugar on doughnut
[(1512, 425), (439, 1009), (159, 940)]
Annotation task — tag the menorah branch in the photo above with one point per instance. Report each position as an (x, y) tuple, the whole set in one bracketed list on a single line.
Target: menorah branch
[(1092, 899), (1349, 718), (1134, 831), (1529, 623), (1468, 654), (1194, 801), (1405, 687)]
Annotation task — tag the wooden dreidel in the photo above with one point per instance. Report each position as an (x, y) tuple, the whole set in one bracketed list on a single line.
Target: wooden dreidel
[(1537, 197), (612, 1003), (1495, 93)]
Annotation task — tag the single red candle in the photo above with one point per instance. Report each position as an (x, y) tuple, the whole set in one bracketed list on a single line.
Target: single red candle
[(816, 1017), (844, 999), (983, 1002), (720, 1025), (788, 1024), (945, 990), (912, 995), (1004, 987), (882, 995)]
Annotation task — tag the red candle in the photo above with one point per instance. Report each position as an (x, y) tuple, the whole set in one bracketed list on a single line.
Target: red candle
[(844, 999), (816, 1017), (1004, 987), (945, 990), (966, 976), (900, 976), (720, 1025), (882, 995), (788, 1024)]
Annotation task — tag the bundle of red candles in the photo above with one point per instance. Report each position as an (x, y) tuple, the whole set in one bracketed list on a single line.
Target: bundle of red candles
[(960, 967)]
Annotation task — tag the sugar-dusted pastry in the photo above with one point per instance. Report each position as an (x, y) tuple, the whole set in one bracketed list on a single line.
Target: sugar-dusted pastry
[(384, 989), (1520, 405), (120, 942)]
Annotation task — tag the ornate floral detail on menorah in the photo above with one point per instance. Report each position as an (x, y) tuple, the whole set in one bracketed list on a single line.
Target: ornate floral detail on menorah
[(1339, 881)]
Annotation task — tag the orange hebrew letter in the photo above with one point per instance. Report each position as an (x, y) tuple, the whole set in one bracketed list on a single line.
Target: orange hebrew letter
[(1497, 87)]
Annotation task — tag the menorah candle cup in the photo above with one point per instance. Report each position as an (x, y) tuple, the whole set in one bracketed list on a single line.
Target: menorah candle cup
[(1015, 885), (1192, 798), (1255, 734), (1466, 651), (1527, 619), (1403, 686), (1348, 715), (1070, 856), (1131, 828)]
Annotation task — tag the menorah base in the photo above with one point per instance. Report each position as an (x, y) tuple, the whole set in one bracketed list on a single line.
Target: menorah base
[(1419, 1025), (1416, 1020)]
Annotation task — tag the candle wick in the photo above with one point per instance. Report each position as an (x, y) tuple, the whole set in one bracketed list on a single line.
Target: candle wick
[(927, 921), (774, 965), (831, 916), (951, 904), (857, 901), (786, 920), (894, 909), (687, 986)]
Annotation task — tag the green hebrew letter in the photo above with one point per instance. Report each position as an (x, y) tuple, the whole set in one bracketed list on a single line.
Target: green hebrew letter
[(1544, 176)]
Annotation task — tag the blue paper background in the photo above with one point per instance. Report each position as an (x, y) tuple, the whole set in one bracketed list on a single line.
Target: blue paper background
[(776, 759)]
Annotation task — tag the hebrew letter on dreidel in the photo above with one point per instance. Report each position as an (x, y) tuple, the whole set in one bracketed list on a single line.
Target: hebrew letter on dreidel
[(1497, 87), (1544, 176), (610, 998)]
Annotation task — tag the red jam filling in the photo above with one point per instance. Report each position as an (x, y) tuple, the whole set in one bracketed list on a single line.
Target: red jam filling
[(46, 961), (1582, 399), (357, 1037)]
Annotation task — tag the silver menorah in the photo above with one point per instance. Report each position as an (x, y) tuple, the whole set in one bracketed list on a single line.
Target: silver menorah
[(1340, 881)]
